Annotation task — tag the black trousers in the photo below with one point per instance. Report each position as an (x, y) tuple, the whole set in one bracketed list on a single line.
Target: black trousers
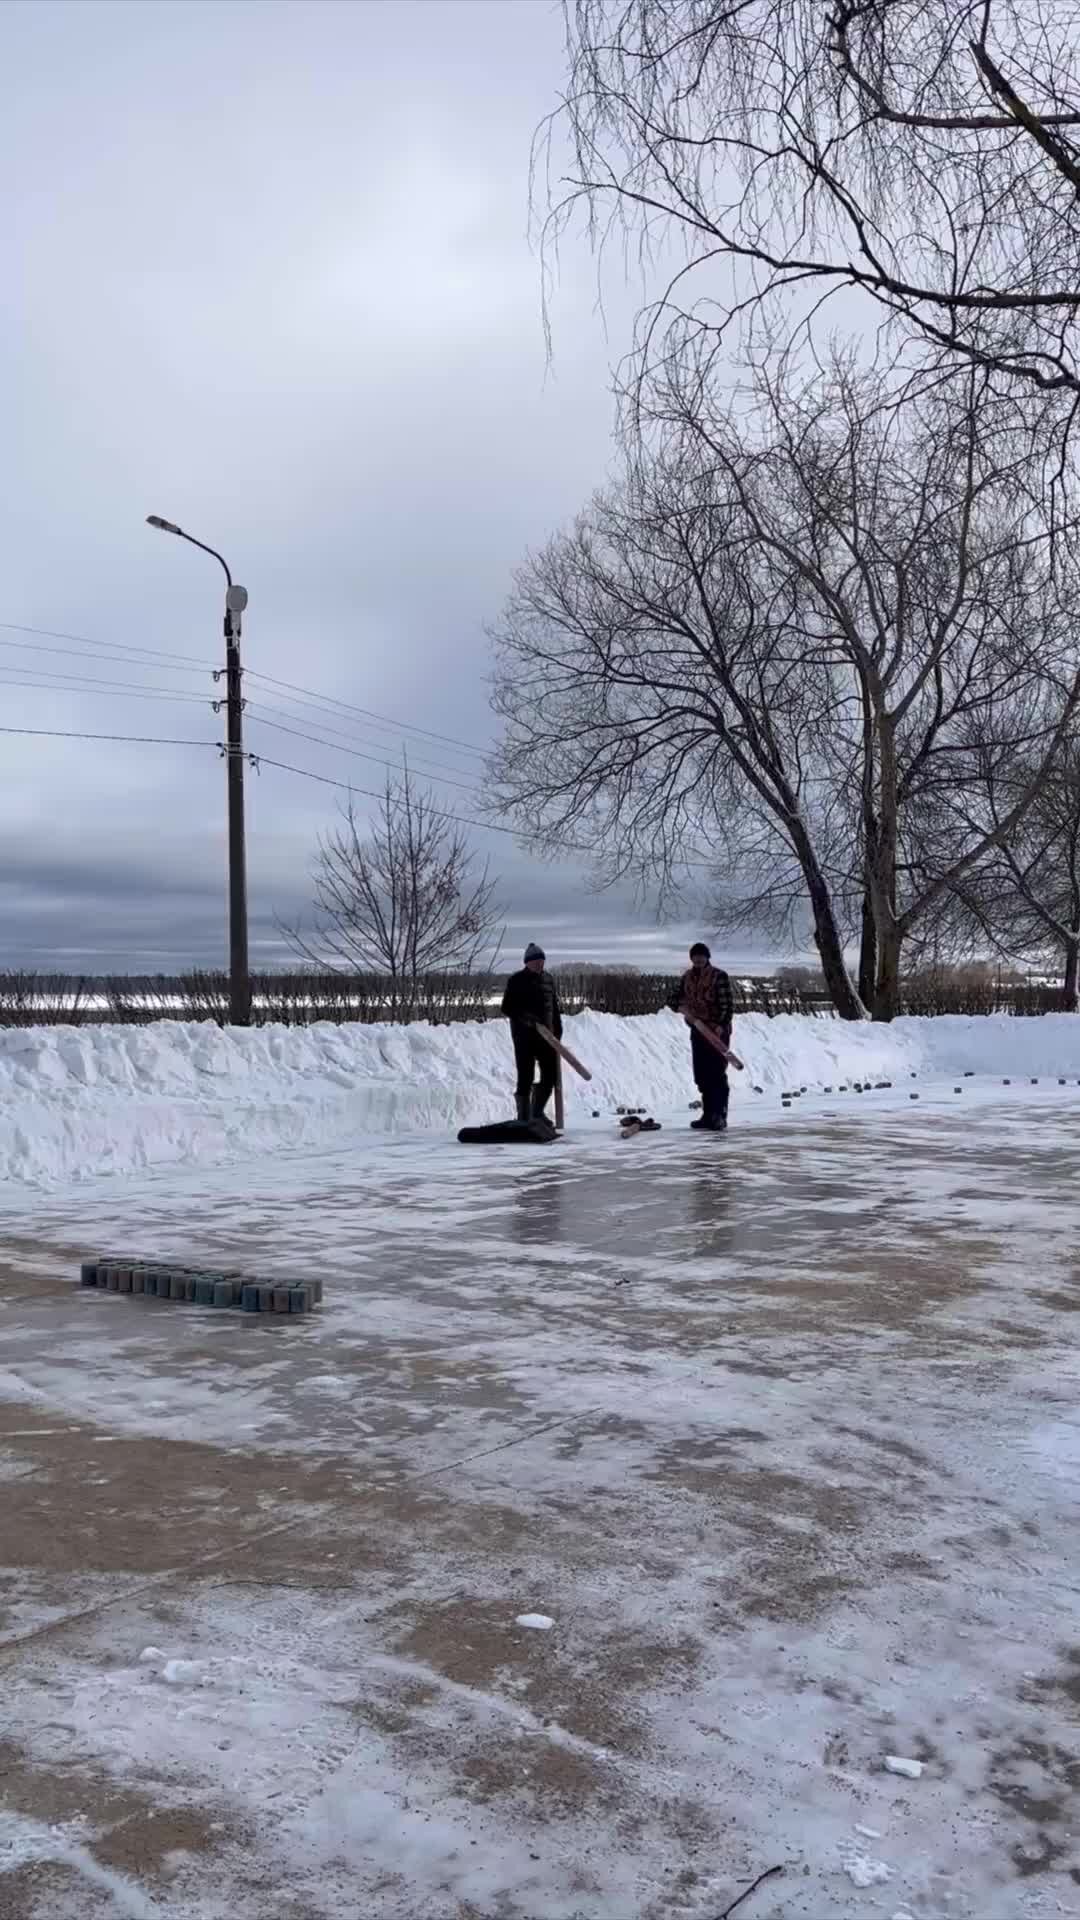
[(531, 1053), (710, 1076)]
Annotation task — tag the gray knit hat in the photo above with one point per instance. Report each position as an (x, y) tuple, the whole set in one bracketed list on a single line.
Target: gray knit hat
[(533, 952)]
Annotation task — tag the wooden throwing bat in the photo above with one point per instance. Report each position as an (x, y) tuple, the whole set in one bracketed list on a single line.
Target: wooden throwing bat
[(564, 1053), (715, 1041)]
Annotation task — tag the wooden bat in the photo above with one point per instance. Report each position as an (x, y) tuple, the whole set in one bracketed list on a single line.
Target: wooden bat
[(560, 1110), (715, 1041), (564, 1053)]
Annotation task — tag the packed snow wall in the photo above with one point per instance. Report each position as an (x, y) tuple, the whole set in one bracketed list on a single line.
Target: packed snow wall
[(77, 1102)]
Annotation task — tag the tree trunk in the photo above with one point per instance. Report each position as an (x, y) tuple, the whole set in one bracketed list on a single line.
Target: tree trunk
[(1070, 985), (867, 953), (882, 874), (887, 984), (826, 932), (831, 953)]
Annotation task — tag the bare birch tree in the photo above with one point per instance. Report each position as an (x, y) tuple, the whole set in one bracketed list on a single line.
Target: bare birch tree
[(398, 895)]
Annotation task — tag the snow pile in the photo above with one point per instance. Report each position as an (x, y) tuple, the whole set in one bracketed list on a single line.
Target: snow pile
[(76, 1102)]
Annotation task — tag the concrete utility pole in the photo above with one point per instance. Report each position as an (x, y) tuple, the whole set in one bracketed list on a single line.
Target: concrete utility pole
[(236, 600)]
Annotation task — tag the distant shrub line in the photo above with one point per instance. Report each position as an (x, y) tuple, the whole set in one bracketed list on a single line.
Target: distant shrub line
[(300, 998)]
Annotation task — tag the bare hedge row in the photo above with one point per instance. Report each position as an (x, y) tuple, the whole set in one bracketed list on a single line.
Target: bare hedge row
[(299, 998)]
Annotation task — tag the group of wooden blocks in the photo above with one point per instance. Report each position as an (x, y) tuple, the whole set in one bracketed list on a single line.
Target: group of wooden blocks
[(170, 1282)]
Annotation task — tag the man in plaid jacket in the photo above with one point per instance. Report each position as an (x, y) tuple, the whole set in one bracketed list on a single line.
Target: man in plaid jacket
[(704, 993)]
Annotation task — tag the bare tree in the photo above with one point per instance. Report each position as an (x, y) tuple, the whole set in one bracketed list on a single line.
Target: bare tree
[(784, 648), (932, 586), (397, 895), (1024, 899), (660, 710), (921, 154)]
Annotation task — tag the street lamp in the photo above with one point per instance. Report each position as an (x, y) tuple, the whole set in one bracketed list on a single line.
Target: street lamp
[(236, 600)]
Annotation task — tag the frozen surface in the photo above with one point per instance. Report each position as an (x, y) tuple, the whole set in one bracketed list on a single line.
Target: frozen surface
[(779, 1431), (77, 1102)]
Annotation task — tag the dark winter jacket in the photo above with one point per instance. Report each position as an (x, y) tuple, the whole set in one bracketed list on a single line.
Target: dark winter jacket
[(706, 996), (531, 998)]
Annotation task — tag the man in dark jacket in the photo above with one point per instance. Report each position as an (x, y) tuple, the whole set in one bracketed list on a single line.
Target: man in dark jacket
[(705, 994), (532, 999)]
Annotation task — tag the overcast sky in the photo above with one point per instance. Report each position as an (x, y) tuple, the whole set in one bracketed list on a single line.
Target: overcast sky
[(267, 273)]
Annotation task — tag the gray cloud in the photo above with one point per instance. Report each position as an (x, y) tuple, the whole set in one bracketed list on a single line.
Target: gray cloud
[(269, 276)]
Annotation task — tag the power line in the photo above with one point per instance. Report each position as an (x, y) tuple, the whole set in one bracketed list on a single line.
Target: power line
[(439, 813), (368, 793), (140, 739), (111, 659), (324, 714), (95, 686), (391, 766), (122, 693), (81, 683), (351, 738), (366, 713), (259, 759), (112, 689), (119, 652), (285, 766), (118, 646)]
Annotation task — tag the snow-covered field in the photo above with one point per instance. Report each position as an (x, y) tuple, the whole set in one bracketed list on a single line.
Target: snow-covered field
[(637, 1516), (76, 1102)]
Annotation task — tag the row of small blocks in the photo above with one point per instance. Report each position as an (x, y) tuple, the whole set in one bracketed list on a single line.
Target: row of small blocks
[(203, 1289)]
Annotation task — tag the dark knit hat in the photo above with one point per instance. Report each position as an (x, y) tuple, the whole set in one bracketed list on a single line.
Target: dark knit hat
[(700, 947), (533, 952)]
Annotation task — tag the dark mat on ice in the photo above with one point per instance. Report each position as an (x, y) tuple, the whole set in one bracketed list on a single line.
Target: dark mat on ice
[(504, 1133)]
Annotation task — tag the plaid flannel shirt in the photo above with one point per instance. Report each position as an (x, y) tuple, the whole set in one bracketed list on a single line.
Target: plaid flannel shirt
[(706, 995)]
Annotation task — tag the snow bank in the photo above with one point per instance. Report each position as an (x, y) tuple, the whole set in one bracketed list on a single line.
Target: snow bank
[(76, 1102)]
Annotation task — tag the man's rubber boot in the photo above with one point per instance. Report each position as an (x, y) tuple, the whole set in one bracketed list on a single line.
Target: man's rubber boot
[(537, 1111), (523, 1102), (700, 1126)]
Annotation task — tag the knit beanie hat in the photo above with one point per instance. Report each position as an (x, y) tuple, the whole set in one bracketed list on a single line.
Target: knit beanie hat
[(533, 952)]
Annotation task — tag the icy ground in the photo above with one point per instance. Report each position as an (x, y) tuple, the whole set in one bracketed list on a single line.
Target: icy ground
[(776, 1434)]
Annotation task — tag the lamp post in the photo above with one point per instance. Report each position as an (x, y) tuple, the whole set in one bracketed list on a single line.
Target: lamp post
[(236, 600)]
